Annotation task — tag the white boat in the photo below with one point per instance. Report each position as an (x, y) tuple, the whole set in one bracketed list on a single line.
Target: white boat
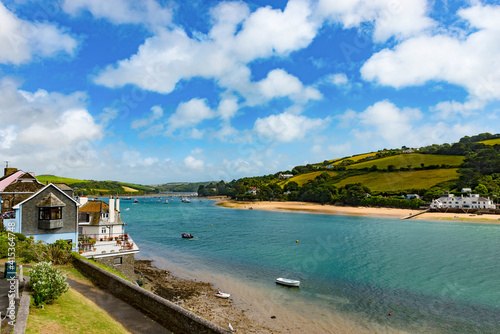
[(185, 200), (287, 282), (222, 295)]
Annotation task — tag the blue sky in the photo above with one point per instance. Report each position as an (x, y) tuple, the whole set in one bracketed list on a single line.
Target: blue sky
[(161, 91)]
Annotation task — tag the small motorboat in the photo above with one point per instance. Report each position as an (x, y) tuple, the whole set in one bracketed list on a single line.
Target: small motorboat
[(222, 295), (187, 236), (287, 282)]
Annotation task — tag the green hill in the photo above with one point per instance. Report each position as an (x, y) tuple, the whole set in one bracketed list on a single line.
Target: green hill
[(411, 160), (92, 187), (491, 142)]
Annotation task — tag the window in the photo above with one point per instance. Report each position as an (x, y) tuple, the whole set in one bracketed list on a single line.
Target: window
[(117, 260), (50, 213), (103, 230)]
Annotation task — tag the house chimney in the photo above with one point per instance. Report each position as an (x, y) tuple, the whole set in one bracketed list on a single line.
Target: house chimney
[(9, 170), (111, 210), (118, 204), (83, 200)]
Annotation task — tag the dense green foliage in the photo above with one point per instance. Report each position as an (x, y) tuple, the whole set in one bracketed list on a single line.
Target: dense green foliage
[(381, 178), (47, 283)]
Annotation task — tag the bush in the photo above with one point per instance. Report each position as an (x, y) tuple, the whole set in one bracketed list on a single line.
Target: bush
[(47, 283)]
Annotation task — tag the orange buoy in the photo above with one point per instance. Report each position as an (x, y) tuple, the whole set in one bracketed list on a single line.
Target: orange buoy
[(390, 314)]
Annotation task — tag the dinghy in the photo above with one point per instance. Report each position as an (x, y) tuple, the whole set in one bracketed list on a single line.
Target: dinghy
[(222, 295), (287, 282)]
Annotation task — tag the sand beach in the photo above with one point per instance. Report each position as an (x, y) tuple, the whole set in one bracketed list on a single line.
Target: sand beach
[(315, 208)]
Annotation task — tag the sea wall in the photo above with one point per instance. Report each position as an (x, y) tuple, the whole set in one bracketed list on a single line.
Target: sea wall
[(170, 315), (124, 263)]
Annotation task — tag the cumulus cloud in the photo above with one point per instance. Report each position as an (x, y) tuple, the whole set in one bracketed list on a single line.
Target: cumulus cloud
[(22, 40), (400, 19), (156, 114), (189, 114), (287, 127), (223, 54), (46, 128), (384, 124), (147, 12), (470, 62), (192, 163)]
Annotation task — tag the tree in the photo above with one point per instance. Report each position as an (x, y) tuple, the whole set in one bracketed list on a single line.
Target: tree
[(291, 186), (481, 189)]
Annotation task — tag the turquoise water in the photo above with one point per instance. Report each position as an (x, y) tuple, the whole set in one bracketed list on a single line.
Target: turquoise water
[(432, 276)]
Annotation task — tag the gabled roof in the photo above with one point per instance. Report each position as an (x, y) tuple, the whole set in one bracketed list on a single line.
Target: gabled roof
[(50, 201), (47, 186), (9, 179), (94, 206)]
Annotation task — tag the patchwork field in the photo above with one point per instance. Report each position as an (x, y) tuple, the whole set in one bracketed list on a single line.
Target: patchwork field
[(491, 142), (395, 181), (303, 178), (413, 159)]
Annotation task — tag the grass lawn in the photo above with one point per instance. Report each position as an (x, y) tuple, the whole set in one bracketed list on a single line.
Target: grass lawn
[(72, 313), (420, 179)]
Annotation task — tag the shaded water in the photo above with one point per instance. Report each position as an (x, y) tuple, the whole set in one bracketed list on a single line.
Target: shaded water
[(431, 276)]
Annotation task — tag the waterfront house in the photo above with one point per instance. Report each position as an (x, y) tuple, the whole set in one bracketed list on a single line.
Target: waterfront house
[(48, 215), (472, 201), (103, 237), (253, 190)]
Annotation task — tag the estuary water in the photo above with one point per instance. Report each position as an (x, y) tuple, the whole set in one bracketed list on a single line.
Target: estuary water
[(432, 277)]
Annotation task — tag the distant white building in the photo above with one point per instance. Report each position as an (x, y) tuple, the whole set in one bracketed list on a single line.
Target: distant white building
[(472, 201), (285, 176), (466, 190), (253, 190)]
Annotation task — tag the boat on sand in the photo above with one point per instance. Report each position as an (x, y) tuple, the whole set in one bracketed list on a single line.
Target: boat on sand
[(222, 295)]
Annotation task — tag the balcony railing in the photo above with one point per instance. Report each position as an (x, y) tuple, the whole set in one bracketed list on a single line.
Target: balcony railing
[(93, 247)]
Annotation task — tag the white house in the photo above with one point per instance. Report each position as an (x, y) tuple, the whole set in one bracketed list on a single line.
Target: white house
[(472, 201), (285, 176)]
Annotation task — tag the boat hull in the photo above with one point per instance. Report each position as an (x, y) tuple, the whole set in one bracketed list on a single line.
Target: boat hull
[(287, 282)]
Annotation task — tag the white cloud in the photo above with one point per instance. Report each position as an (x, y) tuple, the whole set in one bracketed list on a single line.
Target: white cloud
[(21, 41), (448, 109), (133, 158), (147, 12), (401, 19), (192, 163), (223, 54), (279, 83), (47, 129), (189, 114), (470, 62), (156, 114), (287, 127)]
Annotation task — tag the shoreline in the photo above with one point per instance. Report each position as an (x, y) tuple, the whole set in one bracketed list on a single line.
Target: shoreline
[(314, 208)]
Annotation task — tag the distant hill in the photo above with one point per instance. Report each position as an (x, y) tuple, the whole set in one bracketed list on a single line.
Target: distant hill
[(92, 187)]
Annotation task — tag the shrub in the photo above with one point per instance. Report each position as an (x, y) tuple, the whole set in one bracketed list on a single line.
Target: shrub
[(47, 283)]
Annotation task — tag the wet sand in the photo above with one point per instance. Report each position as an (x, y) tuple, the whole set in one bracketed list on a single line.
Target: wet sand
[(198, 297), (305, 207)]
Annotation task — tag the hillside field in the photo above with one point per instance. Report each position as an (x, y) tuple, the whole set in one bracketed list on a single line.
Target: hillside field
[(398, 181), (57, 179), (491, 142), (303, 178), (412, 159)]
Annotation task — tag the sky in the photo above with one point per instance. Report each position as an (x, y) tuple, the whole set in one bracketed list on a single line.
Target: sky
[(158, 91)]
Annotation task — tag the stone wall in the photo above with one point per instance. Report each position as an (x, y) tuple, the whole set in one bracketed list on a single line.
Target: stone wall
[(123, 263), (172, 316)]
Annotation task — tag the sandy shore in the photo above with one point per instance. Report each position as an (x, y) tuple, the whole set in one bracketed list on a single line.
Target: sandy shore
[(305, 207)]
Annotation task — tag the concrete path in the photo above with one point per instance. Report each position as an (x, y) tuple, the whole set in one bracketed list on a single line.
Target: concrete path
[(132, 319)]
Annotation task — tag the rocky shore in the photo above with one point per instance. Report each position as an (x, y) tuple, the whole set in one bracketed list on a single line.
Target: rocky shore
[(198, 297)]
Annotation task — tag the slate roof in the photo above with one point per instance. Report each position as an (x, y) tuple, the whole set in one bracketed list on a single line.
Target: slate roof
[(94, 206), (50, 201)]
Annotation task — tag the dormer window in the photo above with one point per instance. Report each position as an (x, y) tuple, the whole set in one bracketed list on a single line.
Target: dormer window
[(50, 211)]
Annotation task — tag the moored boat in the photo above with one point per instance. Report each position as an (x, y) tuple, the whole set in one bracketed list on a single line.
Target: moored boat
[(187, 236), (287, 282)]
